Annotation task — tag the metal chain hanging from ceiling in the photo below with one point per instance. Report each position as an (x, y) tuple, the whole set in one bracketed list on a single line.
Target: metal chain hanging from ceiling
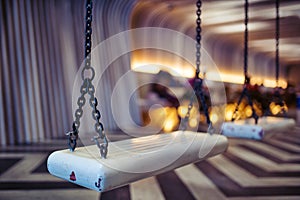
[(277, 98), (198, 82), (88, 88), (277, 32), (245, 92)]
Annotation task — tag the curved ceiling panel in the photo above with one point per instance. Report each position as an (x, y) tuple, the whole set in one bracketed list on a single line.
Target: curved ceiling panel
[(223, 31)]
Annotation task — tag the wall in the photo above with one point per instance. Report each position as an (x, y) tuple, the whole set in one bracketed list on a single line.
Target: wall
[(41, 51)]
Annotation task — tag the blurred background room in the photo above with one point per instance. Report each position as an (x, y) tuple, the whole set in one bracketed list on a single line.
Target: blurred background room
[(42, 50)]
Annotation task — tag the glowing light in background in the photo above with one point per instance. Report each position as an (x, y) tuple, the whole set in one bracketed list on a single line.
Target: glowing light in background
[(155, 67), (248, 111), (145, 68), (164, 118), (171, 120), (272, 83), (153, 60), (276, 109), (182, 110), (183, 69), (193, 122), (229, 78), (239, 79), (214, 117), (256, 80), (229, 111), (241, 27)]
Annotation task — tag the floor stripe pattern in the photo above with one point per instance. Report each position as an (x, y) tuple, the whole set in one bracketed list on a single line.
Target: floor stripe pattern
[(260, 170)]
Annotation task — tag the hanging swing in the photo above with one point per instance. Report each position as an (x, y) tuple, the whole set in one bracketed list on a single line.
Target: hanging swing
[(197, 82), (258, 128), (125, 161)]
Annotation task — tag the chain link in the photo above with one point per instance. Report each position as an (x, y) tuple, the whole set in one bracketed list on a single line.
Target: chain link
[(87, 87), (187, 116)]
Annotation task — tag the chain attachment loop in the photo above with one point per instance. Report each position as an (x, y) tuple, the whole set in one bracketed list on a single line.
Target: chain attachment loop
[(245, 93), (86, 69), (87, 87)]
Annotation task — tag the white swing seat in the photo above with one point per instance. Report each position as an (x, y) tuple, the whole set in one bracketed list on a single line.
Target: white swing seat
[(133, 159), (265, 126)]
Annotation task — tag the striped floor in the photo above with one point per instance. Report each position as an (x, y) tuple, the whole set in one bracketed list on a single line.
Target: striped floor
[(268, 169)]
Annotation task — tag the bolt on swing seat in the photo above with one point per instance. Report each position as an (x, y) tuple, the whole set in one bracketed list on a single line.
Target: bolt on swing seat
[(133, 159)]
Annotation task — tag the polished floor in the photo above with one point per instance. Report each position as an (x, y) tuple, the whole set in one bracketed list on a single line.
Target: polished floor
[(268, 169)]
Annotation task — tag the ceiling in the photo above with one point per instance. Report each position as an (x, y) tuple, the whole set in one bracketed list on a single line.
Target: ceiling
[(223, 29)]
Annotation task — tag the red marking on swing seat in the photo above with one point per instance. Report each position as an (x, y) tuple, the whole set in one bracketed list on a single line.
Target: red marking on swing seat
[(72, 176)]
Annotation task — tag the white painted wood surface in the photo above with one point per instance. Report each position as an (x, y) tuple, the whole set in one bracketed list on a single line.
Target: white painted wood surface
[(133, 159), (248, 129)]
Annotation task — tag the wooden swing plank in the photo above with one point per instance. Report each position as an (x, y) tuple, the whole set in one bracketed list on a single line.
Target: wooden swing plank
[(133, 159), (265, 126)]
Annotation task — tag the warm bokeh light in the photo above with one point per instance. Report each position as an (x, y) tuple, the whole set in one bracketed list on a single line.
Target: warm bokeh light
[(193, 122), (244, 110), (153, 67), (229, 111), (239, 27), (145, 68), (273, 84), (169, 125), (164, 117), (248, 111), (256, 80), (182, 111), (171, 120), (153, 60), (214, 117), (167, 117), (228, 78), (277, 109)]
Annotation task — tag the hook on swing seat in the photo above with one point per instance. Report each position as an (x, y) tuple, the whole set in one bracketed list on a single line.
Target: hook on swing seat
[(134, 159), (265, 126)]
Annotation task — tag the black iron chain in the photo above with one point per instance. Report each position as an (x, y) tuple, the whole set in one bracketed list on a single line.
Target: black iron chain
[(277, 98), (245, 92), (87, 75), (198, 82), (198, 38), (246, 41), (277, 32)]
